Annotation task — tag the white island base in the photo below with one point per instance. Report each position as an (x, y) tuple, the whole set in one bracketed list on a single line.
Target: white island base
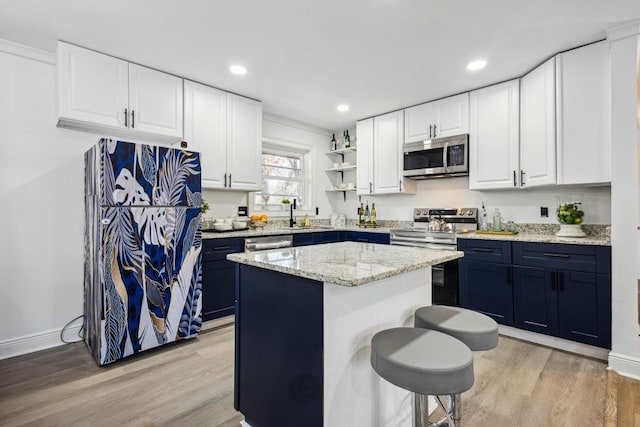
[(354, 395)]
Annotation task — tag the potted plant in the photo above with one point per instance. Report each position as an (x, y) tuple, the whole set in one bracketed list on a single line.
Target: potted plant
[(570, 217), (204, 207)]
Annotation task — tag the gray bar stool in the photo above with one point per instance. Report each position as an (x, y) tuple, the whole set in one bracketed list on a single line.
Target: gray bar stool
[(425, 362), (476, 330)]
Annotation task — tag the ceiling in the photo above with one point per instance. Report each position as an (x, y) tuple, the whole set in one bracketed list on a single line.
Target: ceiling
[(307, 56)]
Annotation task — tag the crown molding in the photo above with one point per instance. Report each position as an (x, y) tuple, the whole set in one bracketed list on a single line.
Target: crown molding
[(622, 31), (270, 117), (28, 52)]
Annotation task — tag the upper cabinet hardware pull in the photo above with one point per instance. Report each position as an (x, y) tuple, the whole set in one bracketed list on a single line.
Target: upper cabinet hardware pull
[(557, 255), (229, 180), (133, 119), (370, 187), (435, 133), (126, 118), (522, 177), (514, 179), (225, 180), (430, 131)]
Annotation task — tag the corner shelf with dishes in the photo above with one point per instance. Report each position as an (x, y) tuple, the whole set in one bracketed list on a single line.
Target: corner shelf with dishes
[(342, 167)]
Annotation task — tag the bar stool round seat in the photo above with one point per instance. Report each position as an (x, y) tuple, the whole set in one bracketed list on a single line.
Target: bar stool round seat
[(476, 330), (422, 361)]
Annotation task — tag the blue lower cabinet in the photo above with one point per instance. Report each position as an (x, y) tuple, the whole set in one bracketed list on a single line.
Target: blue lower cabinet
[(328, 237), (278, 375), (218, 277), (361, 236), (584, 307), (487, 288), (535, 299), (303, 239)]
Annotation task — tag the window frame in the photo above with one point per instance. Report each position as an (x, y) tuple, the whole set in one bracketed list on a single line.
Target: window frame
[(289, 148)]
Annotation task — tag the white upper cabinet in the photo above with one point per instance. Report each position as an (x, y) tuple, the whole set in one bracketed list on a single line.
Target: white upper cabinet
[(244, 143), (205, 130), (364, 156), (538, 126), (584, 144), (379, 156), (445, 117), (494, 137), (227, 131), (155, 101), (91, 87), (99, 93)]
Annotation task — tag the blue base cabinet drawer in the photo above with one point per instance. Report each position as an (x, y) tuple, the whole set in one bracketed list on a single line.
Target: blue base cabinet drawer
[(485, 250), (362, 236), (594, 259)]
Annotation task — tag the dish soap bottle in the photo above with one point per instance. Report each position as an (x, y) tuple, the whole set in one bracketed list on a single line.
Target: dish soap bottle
[(373, 214), (497, 220), (484, 224)]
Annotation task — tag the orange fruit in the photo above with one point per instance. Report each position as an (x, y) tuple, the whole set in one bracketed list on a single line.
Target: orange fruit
[(255, 217), (264, 218)]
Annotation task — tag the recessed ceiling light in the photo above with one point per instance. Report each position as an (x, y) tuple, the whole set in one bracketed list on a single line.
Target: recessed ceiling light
[(238, 70), (476, 65), (342, 108)]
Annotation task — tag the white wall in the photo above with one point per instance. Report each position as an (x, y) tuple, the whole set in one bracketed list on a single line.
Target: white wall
[(520, 206), (625, 349), (41, 207)]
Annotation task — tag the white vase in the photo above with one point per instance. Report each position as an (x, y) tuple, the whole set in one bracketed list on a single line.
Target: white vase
[(571, 230)]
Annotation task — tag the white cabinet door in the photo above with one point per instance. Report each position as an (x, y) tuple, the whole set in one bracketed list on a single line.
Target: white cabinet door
[(582, 99), (538, 126), (494, 137), (205, 130), (91, 87), (364, 156), (244, 143), (388, 133), (155, 101), (419, 122), (452, 115)]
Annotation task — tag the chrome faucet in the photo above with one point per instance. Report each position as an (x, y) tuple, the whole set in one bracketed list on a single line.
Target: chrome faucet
[(292, 206)]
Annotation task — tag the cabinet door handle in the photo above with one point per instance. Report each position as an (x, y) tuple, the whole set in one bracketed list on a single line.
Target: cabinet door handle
[(522, 177), (229, 180), (126, 117), (561, 281), (133, 119), (482, 250), (435, 134), (225, 180), (552, 279), (509, 273), (514, 179), (430, 130), (556, 255), (370, 187), (221, 248), (400, 181)]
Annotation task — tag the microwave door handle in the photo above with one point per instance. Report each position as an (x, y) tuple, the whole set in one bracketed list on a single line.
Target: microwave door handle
[(444, 157)]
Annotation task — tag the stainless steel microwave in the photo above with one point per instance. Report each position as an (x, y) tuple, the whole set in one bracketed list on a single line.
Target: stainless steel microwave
[(437, 158)]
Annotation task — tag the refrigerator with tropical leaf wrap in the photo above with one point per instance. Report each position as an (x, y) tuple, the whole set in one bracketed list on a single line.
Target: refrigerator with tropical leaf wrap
[(143, 248)]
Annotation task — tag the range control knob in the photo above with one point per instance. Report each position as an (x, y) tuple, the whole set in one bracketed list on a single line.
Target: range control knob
[(469, 212)]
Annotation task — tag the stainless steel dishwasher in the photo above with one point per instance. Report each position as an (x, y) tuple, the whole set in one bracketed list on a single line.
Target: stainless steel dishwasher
[(268, 242)]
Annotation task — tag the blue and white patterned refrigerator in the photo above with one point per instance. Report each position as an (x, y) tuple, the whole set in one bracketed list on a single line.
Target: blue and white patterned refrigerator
[(143, 248)]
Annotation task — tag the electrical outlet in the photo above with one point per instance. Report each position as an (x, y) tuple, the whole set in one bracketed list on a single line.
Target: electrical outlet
[(544, 212), (242, 211)]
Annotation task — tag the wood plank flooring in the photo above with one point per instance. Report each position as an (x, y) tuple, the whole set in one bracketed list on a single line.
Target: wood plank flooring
[(190, 383)]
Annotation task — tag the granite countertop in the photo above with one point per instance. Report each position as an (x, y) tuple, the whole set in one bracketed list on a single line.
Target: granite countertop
[(267, 231), (345, 263), (541, 238)]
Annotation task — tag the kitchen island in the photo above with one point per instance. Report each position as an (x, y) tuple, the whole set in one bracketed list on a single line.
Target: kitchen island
[(304, 321)]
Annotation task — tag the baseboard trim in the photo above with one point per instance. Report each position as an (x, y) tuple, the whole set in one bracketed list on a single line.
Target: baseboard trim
[(559, 343), (35, 342), (624, 365)]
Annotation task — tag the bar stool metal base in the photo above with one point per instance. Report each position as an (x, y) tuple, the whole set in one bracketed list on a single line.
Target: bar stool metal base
[(451, 405)]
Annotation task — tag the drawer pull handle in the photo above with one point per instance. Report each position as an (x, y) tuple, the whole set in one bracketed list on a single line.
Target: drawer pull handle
[(482, 250), (222, 248), (557, 255)]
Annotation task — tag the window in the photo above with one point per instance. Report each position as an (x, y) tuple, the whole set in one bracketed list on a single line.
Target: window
[(285, 174)]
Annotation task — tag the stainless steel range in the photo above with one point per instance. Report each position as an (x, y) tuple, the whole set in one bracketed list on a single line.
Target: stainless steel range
[(437, 229)]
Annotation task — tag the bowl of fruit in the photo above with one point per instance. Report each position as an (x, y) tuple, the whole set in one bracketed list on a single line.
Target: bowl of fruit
[(570, 217), (258, 221)]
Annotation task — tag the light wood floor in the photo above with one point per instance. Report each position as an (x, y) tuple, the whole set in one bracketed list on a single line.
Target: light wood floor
[(191, 384)]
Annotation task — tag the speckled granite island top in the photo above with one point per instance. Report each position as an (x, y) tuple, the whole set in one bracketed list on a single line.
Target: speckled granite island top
[(345, 263)]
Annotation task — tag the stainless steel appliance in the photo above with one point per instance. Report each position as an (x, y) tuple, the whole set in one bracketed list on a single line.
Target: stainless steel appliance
[(437, 158), (268, 242), (437, 229)]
